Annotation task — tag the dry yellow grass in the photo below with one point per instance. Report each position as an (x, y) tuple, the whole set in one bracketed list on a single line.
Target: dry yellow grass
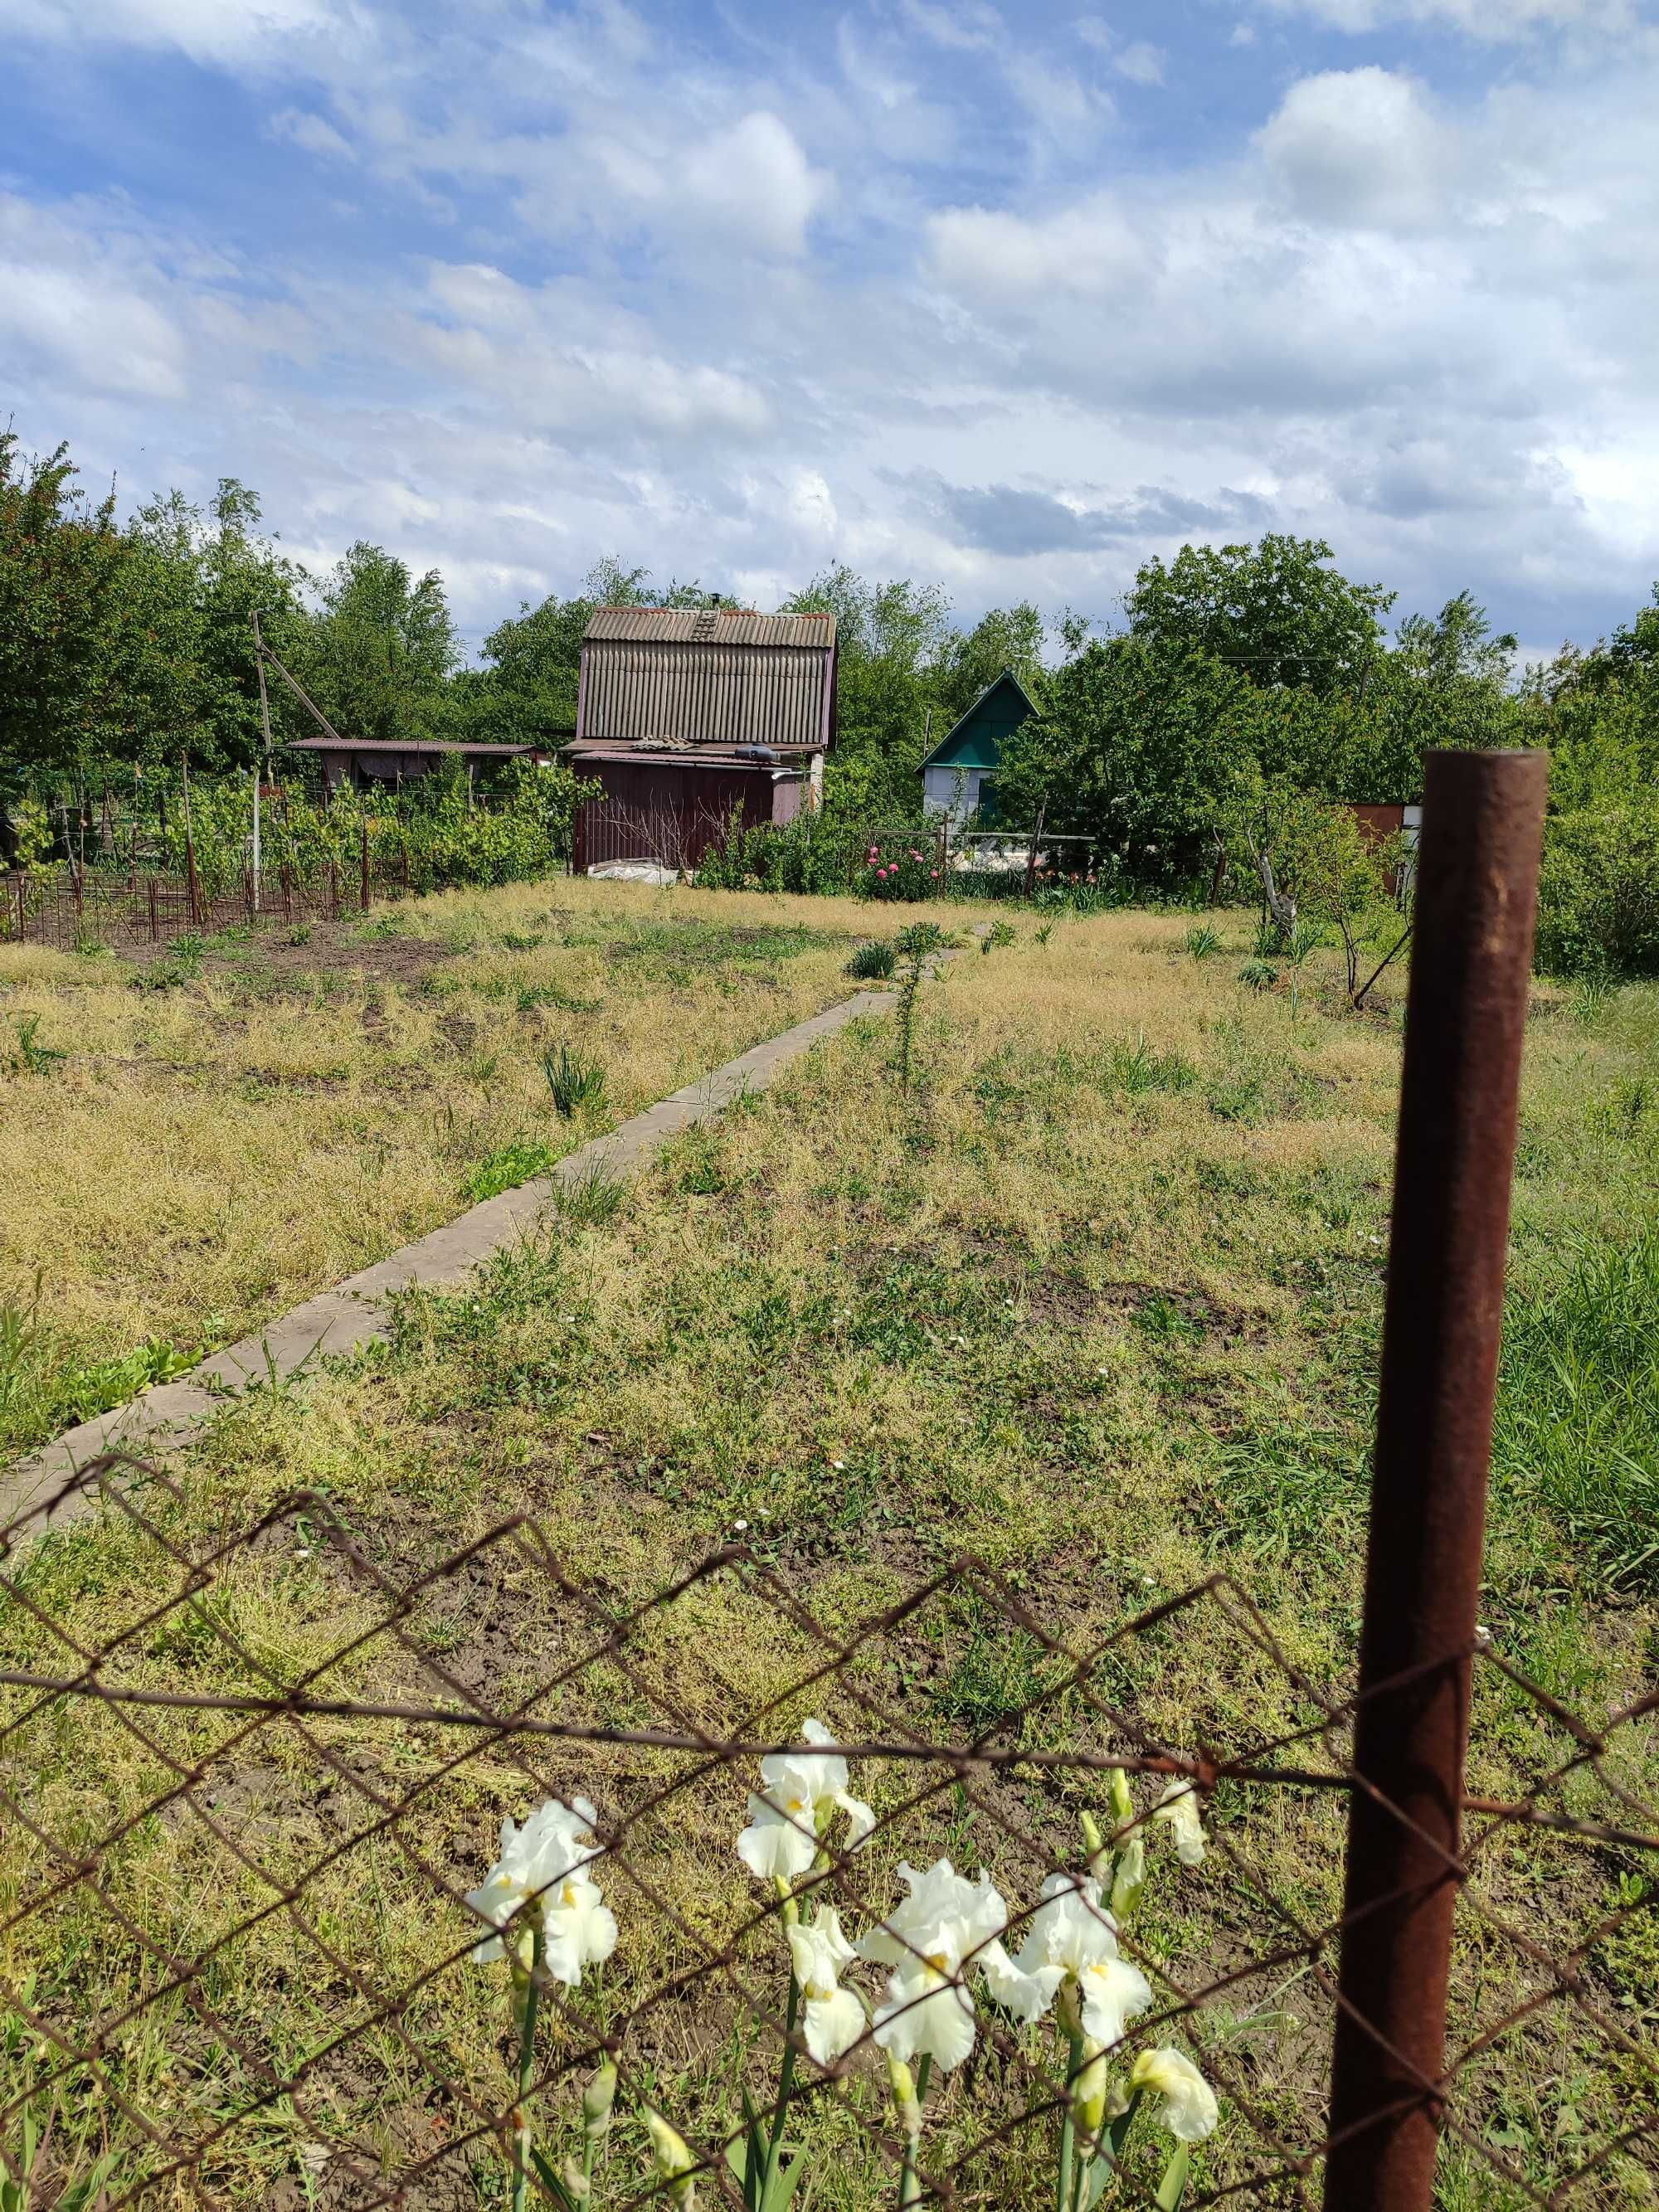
[(206, 1154)]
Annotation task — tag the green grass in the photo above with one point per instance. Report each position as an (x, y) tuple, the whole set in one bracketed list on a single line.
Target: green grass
[(1576, 1435)]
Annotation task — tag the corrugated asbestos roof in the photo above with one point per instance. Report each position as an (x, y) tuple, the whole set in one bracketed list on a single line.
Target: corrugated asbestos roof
[(710, 626)]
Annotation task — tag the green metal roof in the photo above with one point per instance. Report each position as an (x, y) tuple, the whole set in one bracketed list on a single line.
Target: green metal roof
[(975, 740)]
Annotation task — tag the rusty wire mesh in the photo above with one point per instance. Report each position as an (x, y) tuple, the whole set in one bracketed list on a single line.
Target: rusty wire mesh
[(64, 907), (248, 1779)]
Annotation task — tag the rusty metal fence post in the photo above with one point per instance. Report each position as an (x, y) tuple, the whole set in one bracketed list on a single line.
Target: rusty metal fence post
[(1477, 887)]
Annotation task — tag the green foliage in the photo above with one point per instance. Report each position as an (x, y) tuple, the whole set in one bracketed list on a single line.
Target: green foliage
[(1277, 612), (506, 1168), (587, 1202), (873, 961), (58, 555), (30, 1057), (1598, 909), (914, 946), (575, 1081), (809, 854), (1577, 1422), (1142, 747), (1202, 940), (377, 655), (1136, 1068)]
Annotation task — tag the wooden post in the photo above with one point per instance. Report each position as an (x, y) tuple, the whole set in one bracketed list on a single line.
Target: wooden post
[(1032, 857), (263, 769), (189, 843), (362, 826), (333, 890), (154, 917)]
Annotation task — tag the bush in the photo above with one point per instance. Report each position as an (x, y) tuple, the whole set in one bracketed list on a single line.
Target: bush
[(899, 872), (1598, 906), (806, 855)]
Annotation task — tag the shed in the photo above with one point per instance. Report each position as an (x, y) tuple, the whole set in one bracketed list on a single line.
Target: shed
[(367, 761), (686, 717), (959, 775)]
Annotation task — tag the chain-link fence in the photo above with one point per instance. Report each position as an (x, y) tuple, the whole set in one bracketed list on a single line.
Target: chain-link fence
[(962, 1896), (252, 1780)]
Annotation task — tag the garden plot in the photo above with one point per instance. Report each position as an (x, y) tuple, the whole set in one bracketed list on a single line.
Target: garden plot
[(191, 1143), (1097, 1298)]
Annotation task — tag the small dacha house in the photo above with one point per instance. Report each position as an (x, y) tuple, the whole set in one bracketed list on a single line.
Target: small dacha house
[(690, 717), (958, 777)]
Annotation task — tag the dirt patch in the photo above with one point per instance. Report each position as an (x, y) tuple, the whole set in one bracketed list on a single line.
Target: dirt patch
[(330, 949)]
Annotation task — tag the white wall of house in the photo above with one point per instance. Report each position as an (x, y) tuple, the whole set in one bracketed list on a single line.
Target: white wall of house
[(939, 788)]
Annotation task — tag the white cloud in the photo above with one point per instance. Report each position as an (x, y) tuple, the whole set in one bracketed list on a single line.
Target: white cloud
[(218, 32), (1141, 62), (1491, 20), (754, 178), (985, 255), (312, 134), (1359, 146), (761, 302), (968, 29)]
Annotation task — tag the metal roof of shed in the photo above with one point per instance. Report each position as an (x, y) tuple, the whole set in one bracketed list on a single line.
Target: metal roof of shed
[(405, 746), (709, 626)]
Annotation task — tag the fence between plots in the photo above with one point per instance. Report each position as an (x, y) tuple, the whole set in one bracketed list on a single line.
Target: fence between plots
[(252, 1788), (67, 908)]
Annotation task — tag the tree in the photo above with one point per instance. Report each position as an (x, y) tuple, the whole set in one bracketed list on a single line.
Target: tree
[(1145, 748), (1455, 646), (525, 692), (59, 555), (1003, 638), (1275, 611), (888, 639), (377, 654)]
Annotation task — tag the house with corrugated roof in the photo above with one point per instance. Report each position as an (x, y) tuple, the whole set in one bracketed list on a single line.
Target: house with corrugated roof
[(959, 776), (689, 718)]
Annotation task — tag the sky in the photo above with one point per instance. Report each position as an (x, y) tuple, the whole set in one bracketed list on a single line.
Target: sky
[(1008, 298)]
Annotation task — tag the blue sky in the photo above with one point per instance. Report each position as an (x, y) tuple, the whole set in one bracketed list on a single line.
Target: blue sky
[(1005, 298)]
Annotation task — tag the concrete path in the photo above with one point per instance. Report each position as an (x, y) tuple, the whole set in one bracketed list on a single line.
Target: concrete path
[(355, 1311)]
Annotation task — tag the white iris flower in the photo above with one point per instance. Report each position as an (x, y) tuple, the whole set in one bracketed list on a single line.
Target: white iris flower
[(1190, 2111), (1178, 1806), (832, 2019), (1072, 1937), (947, 1928), (803, 1792), (541, 1875)]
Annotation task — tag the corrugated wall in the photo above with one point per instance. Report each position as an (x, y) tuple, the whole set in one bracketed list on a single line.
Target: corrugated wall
[(717, 693), (672, 813)]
